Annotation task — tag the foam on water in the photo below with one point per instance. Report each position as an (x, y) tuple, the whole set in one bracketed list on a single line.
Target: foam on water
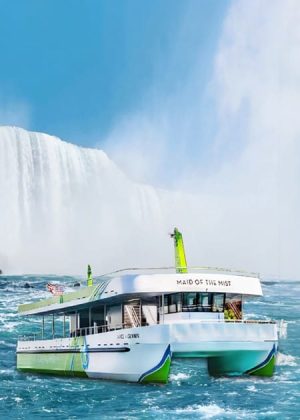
[(251, 388), (5, 343), (209, 411), (285, 360), (214, 411), (179, 376)]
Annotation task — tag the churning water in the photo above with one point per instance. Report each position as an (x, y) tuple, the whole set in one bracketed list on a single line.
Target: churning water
[(191, 393)]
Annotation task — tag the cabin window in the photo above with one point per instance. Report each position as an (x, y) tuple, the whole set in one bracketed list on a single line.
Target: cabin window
[(84, 318), (205, 302), (190, 300), (218, 302), (173, 303), (114, 316), (98, 316), (194, 302), (197, 302)]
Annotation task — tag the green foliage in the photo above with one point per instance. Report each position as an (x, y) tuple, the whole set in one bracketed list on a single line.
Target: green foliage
[(229, 314)]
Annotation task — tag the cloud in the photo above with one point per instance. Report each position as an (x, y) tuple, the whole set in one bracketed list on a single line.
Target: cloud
[(172, 121), (244, 176), (139, 146), (257, 86)]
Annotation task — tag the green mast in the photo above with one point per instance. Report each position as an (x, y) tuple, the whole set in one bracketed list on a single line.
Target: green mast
[(89, 276), (180, 260)]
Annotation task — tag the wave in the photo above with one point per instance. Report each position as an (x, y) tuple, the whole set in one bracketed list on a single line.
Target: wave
[(213, 411), (285, 360), (179, 376), (208, 411), (6, 344)]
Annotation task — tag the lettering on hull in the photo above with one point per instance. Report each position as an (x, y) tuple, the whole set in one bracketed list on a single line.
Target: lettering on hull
[(122, 336)]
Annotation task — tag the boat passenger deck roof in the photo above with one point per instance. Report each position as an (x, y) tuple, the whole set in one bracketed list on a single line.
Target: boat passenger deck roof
[(138, 284)]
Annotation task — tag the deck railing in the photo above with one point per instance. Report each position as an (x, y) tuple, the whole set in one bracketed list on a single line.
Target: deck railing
[(190, 269), (99, 329)]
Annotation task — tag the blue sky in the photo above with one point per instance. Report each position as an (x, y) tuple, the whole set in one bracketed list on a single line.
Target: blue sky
[(75, 68)]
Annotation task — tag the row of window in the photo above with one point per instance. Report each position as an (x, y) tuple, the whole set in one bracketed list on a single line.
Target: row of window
[(196, 302)]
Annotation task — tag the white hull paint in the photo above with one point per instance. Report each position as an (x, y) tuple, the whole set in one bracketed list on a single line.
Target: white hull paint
[(127, 354)]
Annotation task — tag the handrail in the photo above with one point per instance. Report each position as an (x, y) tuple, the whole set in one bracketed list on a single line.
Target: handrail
[(133, 316), (200, 268), (99, 329)]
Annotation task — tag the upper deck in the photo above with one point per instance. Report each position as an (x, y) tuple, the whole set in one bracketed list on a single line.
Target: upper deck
[(126, 284)]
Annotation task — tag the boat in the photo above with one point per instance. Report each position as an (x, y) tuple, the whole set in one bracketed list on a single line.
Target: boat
[(130, 324)]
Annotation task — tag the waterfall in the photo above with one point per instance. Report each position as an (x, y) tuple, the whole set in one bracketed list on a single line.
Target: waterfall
[(64, 206)]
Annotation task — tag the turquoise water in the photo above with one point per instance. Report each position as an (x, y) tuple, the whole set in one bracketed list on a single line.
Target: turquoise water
[(191, 393)]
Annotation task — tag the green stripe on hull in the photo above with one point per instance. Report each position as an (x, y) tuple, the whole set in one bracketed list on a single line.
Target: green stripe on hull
[(160, 373), (54, 372), (56, 363), (266, 370), (60, 364), (159, 376)]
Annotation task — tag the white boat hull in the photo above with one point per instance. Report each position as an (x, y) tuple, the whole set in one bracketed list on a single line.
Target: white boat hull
[(144, 353)]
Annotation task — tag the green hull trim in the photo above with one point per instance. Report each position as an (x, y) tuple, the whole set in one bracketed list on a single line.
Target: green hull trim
[(159, 376), (267, 370), (54, 372), (66, 364), (267, 367), (160, 373), (57, 364)]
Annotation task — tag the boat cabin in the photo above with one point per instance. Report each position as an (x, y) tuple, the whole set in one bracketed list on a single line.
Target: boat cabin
[(152, 310), (129, 301)]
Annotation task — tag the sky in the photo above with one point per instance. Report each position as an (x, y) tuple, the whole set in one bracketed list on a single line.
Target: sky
[(75, 68), (197, 96)]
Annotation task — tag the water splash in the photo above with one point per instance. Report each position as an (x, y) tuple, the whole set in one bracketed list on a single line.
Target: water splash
[(285, 360)]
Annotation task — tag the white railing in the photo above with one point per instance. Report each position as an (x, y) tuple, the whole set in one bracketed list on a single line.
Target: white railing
[(31, 337), (189, 270), (98, 329), (80, 332)]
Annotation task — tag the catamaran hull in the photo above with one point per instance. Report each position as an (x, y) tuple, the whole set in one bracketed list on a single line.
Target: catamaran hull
[(135, 363), (231, 348), (143, 354)]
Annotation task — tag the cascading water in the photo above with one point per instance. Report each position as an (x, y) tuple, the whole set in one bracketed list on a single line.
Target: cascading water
[(63, 206)]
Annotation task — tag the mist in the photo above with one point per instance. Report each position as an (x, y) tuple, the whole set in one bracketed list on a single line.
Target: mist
[(233, 145)]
